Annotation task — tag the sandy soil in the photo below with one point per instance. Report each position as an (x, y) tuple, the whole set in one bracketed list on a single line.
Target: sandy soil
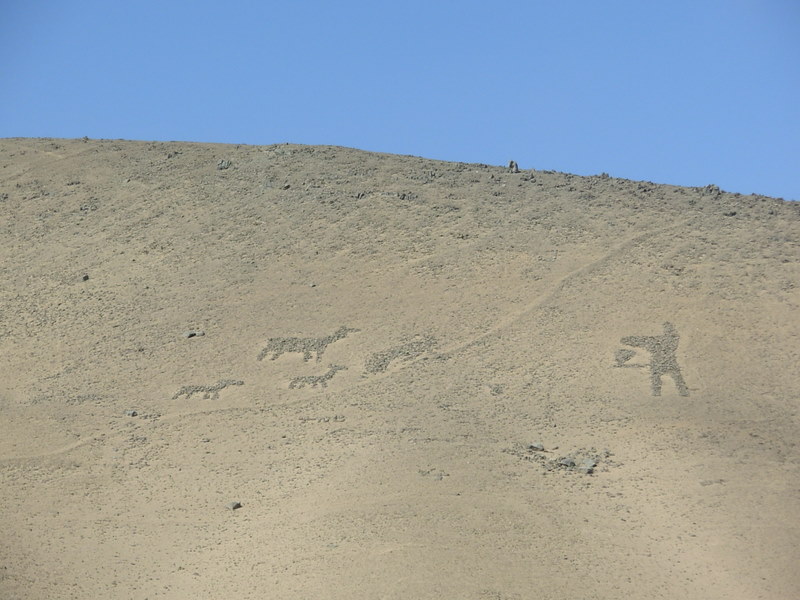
[(495, 432)]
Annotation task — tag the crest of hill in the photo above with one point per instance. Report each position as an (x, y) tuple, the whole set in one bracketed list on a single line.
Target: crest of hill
[(122, 182), (71, 201)]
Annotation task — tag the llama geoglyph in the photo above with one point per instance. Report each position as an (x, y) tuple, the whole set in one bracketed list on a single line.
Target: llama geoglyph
[(315, 380), (278, 346)]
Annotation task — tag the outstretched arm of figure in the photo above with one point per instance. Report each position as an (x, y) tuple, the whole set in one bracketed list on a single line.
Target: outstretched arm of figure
[(648, 342)]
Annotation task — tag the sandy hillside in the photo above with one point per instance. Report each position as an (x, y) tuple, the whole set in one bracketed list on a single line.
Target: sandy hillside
[(415, 379)]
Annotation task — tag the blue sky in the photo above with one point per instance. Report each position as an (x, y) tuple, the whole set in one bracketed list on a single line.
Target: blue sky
[(682, 92)]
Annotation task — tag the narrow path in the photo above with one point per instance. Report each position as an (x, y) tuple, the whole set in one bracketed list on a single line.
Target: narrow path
[(54, 452), (546, 297)]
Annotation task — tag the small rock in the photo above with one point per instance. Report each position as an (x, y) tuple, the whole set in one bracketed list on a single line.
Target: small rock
[(223, 164), (131, 413), (496, 389), (537, 447), (233, 505), (85, 278), (191, 334), (567, 462)]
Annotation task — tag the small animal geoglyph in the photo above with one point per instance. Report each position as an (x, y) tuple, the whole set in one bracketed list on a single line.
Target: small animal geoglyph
[(315, 380), (208, 391), (411, 349)]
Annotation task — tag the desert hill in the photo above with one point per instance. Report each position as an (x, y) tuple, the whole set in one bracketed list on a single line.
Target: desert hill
[(316, 372)]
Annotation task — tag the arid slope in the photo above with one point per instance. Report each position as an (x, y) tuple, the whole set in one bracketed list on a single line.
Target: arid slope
[(173, 322)]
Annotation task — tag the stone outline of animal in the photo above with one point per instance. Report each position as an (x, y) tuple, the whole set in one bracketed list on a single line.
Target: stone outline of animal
[(411, 349), (208, 391), (279, 345), (315, 380)]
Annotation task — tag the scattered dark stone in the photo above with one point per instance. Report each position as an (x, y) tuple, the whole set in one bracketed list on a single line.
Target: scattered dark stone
[(85, 278), (537, 447), (731, 213), (191, 334), (131, 413), (567, 462), (286, 186), (436, 474), (223, 164), (233, 505)]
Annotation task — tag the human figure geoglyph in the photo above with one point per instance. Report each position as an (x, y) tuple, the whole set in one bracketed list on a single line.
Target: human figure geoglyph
[(663, 360)]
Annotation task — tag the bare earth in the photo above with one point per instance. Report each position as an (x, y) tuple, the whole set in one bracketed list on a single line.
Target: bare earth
[(418, 379)]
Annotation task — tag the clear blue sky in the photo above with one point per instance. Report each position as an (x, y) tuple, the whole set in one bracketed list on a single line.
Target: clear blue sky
[(683, 92)]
